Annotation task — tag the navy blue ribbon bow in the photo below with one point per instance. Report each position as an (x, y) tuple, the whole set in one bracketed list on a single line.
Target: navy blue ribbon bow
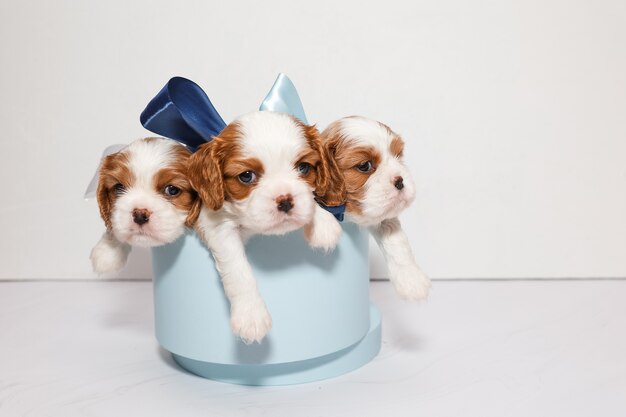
[(182, 111)]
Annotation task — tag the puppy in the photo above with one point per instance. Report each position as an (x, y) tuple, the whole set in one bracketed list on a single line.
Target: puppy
[(260, 175), (145, 199), (377, 187)]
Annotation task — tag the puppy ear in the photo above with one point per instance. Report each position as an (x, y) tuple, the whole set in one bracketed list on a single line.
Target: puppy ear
[(205, 176), (194, 211), (105, 203), (331, 187)]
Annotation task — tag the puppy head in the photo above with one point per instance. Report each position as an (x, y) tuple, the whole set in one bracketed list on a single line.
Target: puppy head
[(265, 169), (369, 155), (144, 194)]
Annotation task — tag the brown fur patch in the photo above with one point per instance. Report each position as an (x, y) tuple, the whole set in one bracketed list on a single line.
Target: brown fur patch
[(235, 165), (397, 147), (114, 170), (215, 166), (312, 158), (177, 175), (347, 156), (327, 179), (312, 155), (205, 166), (205, 176)]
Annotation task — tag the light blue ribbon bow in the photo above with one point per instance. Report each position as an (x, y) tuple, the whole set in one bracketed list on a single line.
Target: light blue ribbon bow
[(284, 98)]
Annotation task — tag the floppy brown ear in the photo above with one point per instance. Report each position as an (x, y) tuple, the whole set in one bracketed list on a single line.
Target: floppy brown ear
[(105, 203), (205, 176), (194, 211), (331, 187)]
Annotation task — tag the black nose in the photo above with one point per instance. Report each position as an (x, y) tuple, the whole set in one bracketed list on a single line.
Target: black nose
[(284, 203), (141, 216), (398, 183)]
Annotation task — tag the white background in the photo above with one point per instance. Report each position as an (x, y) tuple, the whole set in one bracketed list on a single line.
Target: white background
[(514, 114)]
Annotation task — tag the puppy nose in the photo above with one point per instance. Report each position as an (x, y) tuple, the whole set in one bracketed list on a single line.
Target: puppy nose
[(141, 216), (284, 203), (398, 183)]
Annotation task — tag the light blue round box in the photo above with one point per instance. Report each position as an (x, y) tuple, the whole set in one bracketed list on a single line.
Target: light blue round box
[(323, 322)]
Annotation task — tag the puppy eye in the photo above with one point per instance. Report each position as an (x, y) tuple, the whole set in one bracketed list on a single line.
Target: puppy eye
[(119, 188), (171, 191), (247, 177), (304, 168), (365, 166)]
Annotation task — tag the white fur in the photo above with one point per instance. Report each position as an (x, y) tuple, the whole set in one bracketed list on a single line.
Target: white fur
[(167, 222), (410, 282), (324, 231), (277, 141), (249, 318), (382, 203), (109, 254)]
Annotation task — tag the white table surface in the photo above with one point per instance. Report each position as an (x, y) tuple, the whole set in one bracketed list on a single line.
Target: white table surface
[(522, 348)]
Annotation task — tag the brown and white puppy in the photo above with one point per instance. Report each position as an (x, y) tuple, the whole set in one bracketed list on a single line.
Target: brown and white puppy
[(260, 176), (378, 186), (145, 199)]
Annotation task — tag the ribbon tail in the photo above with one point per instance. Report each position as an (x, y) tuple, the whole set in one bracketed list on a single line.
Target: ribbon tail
[(283, 97), (337, 211)]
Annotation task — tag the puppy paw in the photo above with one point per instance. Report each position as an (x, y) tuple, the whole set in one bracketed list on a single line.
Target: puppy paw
[(109, 255), (250, 320), (411, 283), (324, 232)]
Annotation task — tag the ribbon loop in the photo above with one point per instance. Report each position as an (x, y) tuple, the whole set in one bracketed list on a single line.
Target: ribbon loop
[(284, 98), (182, 111)]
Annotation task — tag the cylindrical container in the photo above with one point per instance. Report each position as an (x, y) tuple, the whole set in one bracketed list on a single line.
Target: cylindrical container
[(323, 323)]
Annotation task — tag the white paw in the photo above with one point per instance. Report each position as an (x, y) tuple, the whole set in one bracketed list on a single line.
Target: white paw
[(411, 283), (324, 232), (109, 255), (250, 320)]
